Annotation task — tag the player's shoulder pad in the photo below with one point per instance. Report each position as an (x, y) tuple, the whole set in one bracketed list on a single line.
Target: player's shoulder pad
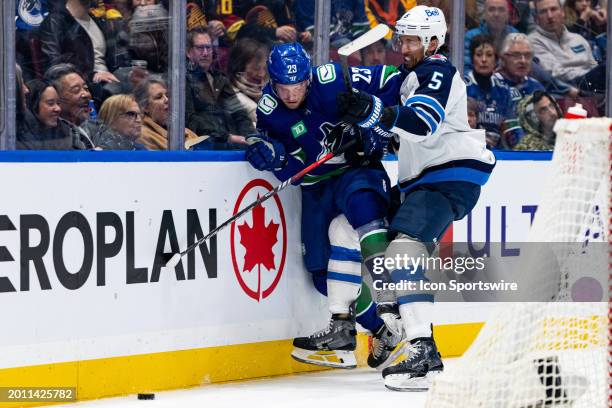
[(435, 63), (267, 104), (326, 73)]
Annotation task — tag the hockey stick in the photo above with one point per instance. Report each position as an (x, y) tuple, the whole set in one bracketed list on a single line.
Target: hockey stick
[(176, 257), (368, 38)]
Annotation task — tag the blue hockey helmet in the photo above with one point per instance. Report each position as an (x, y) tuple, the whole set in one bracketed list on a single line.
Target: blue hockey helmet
[(289, 64)]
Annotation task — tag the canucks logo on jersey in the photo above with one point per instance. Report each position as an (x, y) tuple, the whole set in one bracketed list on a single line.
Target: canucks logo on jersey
[(335, 136), (30, 14)]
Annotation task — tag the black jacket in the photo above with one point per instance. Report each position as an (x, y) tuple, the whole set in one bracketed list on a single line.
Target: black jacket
[(32, 135), (64, 40), (214, 111)]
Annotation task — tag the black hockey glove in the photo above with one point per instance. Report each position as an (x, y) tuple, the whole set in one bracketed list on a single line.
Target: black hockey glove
[(364, 110)]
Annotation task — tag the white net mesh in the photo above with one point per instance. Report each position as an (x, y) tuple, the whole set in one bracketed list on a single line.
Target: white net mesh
[(551, 353)]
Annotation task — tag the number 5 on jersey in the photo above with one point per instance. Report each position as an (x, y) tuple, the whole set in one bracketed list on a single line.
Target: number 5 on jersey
[(436, 82)]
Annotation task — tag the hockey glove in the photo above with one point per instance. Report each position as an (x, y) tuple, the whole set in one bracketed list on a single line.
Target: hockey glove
[(364, 110), (265, 153), (375, 140)]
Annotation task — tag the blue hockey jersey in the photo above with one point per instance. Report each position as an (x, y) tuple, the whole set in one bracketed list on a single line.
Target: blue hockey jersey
[(495, 105), (305, 132)]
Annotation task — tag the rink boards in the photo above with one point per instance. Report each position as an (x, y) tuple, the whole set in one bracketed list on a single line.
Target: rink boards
[(86, 303)]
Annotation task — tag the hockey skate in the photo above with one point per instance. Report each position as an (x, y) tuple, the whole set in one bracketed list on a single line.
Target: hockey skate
[(333, 346), (388, 342), (416, 371), (386, 347)]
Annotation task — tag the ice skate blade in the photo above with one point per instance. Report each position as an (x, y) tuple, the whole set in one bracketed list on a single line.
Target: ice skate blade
[(325, 358), (403, 383), (396, 355)]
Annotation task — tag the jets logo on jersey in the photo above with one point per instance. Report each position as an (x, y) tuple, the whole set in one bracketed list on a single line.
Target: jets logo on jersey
[(267, 104), (326, 73)]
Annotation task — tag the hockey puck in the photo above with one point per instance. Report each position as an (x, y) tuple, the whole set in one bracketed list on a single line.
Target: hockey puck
[(146, 396)]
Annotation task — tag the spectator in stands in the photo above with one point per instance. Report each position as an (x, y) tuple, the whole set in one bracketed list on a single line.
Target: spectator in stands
[(122, 114), (515, 66), (73, 91), (521, 15), (590, 21), (248, 73), (495, 24), (374, 54), (567, 56), (516, 59), (21, 92), (537, 116), (387, 11), (96, 47), (152, 97), (41, 127), (126, 7), (584, 19), (74, 100), (348, 19), (28, 18), (148, 35), (270, 21), (472, 112), (494, 99), (212, 107)]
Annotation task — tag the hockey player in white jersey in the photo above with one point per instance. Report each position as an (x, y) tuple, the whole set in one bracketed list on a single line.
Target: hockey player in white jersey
[(442, 165)]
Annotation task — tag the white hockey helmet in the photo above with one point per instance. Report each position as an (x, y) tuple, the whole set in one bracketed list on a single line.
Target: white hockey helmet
[(423, 22)]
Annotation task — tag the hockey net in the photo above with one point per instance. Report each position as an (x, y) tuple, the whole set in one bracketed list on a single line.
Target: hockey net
[(551, 354)]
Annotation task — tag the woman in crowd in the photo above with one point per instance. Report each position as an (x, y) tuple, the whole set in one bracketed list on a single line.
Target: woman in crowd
[(152, 97), (588, 18), (248, 73), (41, 127), (122, 114), (494, 101), (585, 17)]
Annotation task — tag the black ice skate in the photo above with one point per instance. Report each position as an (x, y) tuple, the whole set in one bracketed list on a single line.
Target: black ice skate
[(386, 347), (388, 342), (333, 346), (416, 371)]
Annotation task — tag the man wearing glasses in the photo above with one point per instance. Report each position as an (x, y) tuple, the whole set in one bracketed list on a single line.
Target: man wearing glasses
[(516, 58), (212, 107)]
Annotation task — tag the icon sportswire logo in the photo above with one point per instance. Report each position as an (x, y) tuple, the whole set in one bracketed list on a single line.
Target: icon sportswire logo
[(258, 242)]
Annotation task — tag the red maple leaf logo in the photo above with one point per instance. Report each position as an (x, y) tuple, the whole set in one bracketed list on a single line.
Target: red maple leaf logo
[(258, 241)]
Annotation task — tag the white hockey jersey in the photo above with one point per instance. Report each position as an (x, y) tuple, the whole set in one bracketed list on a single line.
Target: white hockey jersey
[(436, 142)]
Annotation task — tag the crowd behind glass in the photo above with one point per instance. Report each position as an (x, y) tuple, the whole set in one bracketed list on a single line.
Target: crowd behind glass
[(93, 74)]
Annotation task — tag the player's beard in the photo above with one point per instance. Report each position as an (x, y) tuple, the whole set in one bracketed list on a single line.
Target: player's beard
[(411, 61)]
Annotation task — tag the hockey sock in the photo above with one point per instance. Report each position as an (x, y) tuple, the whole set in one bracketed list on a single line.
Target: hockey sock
[(344, 266), (373, 242), (416, 318), (366, 310), (343, 278), (409, 271)]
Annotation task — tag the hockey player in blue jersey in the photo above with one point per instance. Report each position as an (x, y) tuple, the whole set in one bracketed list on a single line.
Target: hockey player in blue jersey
[(442, 164), (298, 124)]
